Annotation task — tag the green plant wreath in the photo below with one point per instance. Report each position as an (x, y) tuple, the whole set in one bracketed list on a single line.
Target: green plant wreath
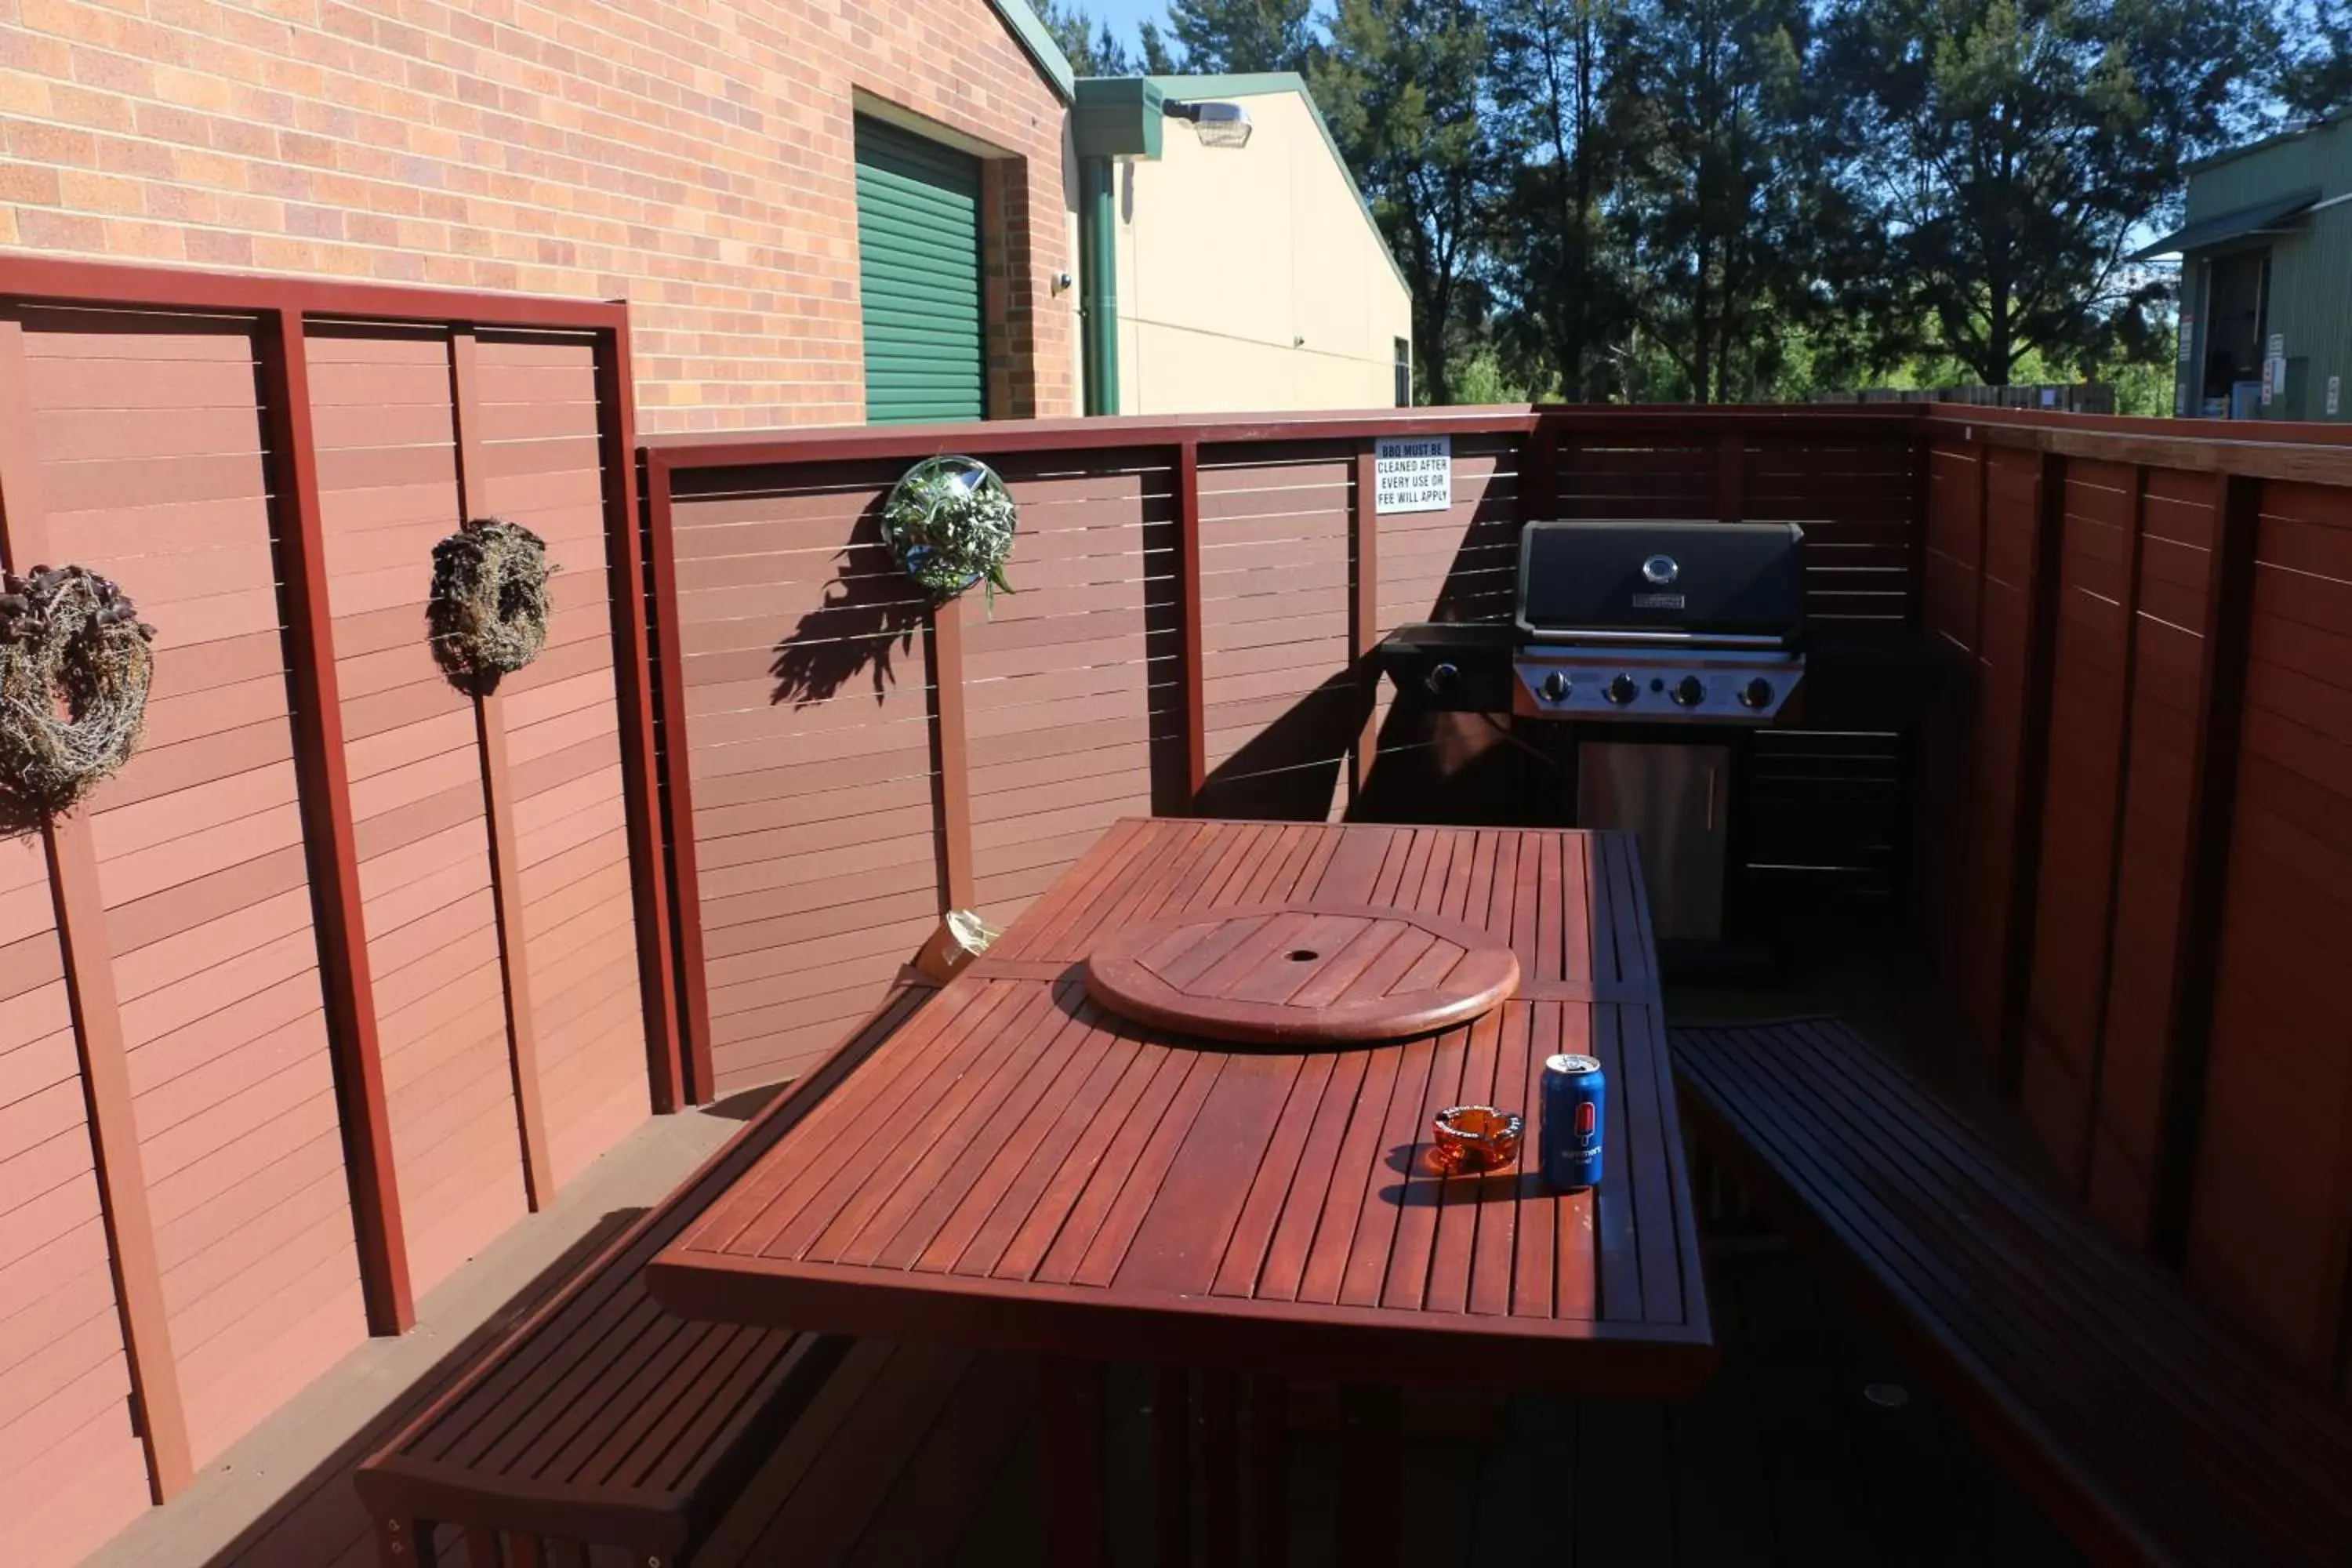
[(948, 523), (75, 668), (489, 605)]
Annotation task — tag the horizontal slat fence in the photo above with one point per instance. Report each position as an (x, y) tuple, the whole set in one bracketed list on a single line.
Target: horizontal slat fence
[(846, 764), (272, 1066), (2135, 818), (1195, 604)]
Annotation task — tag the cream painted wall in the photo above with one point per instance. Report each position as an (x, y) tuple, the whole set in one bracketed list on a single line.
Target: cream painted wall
[(1251, 281)]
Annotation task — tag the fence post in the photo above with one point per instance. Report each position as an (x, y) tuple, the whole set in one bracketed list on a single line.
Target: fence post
[(2133, 546), (1193, 612), (326, 832), (1731, 476), (2030, 785), (2205, 859), (678, 785), (1972, 725), (950, 756), (1538, 487), (1923, 480), (498, 802), (634, 690), (87, 965), (1363, 616)]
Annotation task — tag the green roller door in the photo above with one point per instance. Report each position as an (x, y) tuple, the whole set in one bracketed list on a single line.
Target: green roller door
[(918, 264)]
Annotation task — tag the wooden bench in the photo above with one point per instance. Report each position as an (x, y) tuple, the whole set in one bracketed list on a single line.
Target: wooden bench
[(2148, 1430), (603, 1420)]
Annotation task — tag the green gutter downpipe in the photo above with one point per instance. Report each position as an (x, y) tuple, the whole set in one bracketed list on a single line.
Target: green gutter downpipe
[(1098, 283)]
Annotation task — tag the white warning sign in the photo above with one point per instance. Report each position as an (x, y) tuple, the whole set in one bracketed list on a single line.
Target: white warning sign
[(1412, 473)]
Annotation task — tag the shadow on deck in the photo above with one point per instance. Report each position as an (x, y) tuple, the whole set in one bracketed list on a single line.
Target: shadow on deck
[(1809, 1447)]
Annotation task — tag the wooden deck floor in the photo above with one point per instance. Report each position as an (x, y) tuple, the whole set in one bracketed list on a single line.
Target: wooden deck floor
[(917, 1456)]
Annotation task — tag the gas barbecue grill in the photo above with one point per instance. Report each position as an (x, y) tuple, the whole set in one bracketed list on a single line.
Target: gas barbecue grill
[(1657, 642)]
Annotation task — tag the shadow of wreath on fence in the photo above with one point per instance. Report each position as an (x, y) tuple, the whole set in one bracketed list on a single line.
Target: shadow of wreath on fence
[(868, 617)]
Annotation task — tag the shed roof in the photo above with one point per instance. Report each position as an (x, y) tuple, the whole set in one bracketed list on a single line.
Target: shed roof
[(2222, 226), (2318, 122)]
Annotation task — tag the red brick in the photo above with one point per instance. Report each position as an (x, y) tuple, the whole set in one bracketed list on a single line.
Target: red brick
[(160, 123), (315, 151), (215, 248), (52, 144), (34, 183), (131, 155), (49, 230), (695, 160), (99, 110), (100, 193), (116, 73), (317, 223)]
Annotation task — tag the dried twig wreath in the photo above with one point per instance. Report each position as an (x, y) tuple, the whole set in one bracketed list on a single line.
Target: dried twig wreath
[(948, 523), (489, 607), (75, 665)]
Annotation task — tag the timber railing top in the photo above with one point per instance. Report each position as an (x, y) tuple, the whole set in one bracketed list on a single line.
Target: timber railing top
[(2309, 450), (818, 444)]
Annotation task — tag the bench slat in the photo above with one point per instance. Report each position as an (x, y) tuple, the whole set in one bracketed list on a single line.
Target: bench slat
[(1921, 1288), (2096, 1390), (2125, 1293), (2144, 1423), (604, 1419), (2103, 1300)]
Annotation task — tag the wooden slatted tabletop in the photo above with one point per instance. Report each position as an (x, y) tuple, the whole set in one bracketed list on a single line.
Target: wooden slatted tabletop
[(1021, 1167)]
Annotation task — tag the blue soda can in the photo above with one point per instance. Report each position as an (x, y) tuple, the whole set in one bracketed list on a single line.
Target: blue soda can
[(1575, 1099)]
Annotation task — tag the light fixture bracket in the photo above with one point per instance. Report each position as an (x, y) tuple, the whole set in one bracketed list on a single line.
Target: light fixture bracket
[(1222, 125)]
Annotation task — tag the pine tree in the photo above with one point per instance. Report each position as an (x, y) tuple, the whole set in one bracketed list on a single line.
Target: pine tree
[(1712, 101), (1239, 36), (1157, 58), (1550, 74), (2003, 151), (2317, 77), (1402, 83)]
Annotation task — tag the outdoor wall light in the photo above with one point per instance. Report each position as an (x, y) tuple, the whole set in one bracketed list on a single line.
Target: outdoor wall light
[(1217, 124)]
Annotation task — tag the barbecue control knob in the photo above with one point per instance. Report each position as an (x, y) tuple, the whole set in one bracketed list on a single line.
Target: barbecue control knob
[(1757, 693), (1623, 690), (1441, 679), (1555, 686), (1688, 692)]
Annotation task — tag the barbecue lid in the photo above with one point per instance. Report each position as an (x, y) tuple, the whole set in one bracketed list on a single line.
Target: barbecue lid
[(1694, 579)]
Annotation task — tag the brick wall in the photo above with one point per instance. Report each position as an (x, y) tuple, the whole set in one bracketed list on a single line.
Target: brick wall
[(694, 158)]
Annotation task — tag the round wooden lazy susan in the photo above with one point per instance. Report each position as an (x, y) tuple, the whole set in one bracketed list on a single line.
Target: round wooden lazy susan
[(1301, 973)]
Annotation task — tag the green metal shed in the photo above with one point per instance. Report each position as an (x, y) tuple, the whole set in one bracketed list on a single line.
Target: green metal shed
[(2265, 254)]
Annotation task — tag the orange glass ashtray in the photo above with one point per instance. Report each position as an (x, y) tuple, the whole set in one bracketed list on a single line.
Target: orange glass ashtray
[(1476, 1137)]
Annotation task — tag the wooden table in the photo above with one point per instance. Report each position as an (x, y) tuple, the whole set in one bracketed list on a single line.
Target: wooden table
[(1019, 1167)]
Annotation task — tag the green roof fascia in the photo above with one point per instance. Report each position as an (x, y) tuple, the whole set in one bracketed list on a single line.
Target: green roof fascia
[(1264, 84), (1116, 117), (1029, 28)]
